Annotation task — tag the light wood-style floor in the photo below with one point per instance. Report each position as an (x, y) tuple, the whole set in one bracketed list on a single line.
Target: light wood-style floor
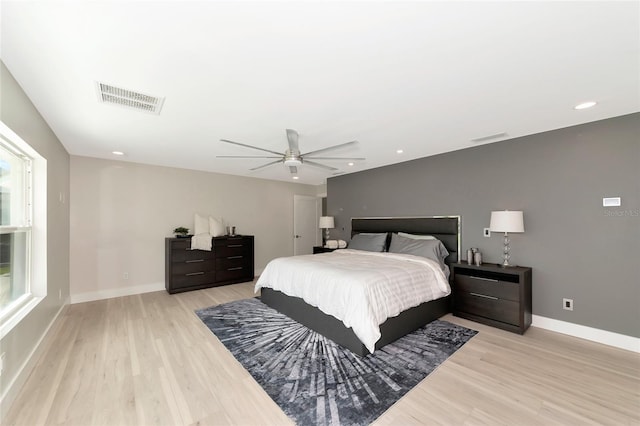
[(148, 359)]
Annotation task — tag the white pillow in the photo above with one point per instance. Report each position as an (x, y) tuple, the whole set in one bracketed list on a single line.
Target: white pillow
[(417, 237), (201, 225), (216, 227)]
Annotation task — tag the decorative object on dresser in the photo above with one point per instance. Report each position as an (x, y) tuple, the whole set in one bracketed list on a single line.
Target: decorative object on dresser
[(181, 232), (493, 295), (506, 221), (230, 261), (326, 223)]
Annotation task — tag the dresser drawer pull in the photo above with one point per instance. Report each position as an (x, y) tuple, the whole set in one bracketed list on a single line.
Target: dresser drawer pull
[(235, 269), (194, 273), (234, 245), (194, 261), (235, 257), (483, 278), (484, 295)]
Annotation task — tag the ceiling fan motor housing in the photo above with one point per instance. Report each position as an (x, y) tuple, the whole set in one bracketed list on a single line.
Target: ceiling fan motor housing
[(292, 159)]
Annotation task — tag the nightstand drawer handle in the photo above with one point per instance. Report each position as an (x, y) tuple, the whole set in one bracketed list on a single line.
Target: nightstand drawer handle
[(484, 295), (234, 245), (194, 261), (234, 269), (483, 278), (194, 273), (234, 257)]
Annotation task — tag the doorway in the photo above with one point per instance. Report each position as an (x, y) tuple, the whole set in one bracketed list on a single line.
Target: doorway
[(306, 215)]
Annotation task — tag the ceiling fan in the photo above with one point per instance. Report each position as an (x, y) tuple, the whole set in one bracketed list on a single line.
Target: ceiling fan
[(292, 157)]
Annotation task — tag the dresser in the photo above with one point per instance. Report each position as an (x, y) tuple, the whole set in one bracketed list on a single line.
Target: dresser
[(493, 295), (230, 261)]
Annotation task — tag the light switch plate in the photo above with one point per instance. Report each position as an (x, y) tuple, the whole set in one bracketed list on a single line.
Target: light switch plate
[(487, 232), (611, 202)]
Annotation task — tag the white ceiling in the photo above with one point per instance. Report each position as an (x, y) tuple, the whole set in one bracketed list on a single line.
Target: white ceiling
[(425, 77)]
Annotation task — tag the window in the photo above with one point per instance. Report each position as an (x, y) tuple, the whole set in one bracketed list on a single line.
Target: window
[(22, 235), (15, 224)]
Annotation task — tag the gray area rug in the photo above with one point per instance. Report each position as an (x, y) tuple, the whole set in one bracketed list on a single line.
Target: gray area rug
[(316, 381)]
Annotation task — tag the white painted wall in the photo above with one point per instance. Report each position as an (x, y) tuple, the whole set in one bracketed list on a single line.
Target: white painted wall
[(121, 212)]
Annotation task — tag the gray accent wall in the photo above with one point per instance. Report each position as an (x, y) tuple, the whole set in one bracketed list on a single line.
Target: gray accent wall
[(577, 248)]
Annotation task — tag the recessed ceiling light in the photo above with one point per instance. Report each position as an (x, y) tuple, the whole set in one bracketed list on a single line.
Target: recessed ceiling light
[(585, 105), (399, 151), (350, 164), (296, 178), (117, 152)]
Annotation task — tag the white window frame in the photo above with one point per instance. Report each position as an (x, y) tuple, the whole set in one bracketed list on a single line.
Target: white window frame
[(35, 226)]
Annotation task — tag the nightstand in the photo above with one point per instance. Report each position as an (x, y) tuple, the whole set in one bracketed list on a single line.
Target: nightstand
[(493, 295), (320, 249)]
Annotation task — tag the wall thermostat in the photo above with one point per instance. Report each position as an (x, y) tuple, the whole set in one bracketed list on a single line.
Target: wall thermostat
[(611, 202)]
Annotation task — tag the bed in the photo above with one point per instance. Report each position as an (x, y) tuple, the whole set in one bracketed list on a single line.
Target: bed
[(444, 228)]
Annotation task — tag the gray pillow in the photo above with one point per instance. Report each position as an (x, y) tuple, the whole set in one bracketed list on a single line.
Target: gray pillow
[(431, 249), (368, 242)]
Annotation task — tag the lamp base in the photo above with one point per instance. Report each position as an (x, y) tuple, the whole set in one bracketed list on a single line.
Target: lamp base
[(506, 255)]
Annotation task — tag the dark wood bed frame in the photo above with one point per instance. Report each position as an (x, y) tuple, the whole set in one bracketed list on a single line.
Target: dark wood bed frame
[(445, 228)]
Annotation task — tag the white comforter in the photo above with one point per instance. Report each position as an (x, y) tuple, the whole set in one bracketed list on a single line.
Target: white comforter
[(362, 289)]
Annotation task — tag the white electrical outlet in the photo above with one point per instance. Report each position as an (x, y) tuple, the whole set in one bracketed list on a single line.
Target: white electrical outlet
[(125, 276), (567, 304), (59, 294), (487, 232)]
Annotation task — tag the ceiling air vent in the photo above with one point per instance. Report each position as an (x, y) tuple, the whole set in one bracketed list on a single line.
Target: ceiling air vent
[(128, 98)]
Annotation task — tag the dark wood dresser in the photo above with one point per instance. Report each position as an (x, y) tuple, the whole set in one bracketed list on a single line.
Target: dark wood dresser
[(493, 295), (230, 261)]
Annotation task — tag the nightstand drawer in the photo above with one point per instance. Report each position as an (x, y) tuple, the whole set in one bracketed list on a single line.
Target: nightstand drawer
[(506, 311), (488, 287)]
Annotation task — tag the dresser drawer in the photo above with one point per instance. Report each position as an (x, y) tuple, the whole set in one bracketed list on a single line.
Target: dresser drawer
[(182, 255), (488, 287), (224, 263), (192, 279), (192, 266), (506, 311), (232, 247), (235, 273)]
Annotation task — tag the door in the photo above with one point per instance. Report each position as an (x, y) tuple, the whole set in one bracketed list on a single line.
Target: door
[(306, 214)]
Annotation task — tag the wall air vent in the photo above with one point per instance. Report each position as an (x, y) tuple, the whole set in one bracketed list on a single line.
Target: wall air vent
[(488, 138), (128, 98)]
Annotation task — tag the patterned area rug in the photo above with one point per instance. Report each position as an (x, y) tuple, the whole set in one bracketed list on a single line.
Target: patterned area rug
[(316, 381)]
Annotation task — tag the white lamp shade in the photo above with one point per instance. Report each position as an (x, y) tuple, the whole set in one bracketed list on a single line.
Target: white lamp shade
[(326, 222), (507, 221)]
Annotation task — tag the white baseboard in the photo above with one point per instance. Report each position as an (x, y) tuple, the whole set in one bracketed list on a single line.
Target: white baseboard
[(594, 334), (115, 292), (26, 368)]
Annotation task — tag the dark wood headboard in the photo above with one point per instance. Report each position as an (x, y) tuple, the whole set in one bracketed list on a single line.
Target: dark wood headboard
[(444, 228)]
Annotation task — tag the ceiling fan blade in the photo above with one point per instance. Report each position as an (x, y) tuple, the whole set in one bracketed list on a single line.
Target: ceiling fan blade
[(251, 146), (266, 165), (292, 137), (331, 147), (243, 156), (333, 158), (322, 166), (293, 170)]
